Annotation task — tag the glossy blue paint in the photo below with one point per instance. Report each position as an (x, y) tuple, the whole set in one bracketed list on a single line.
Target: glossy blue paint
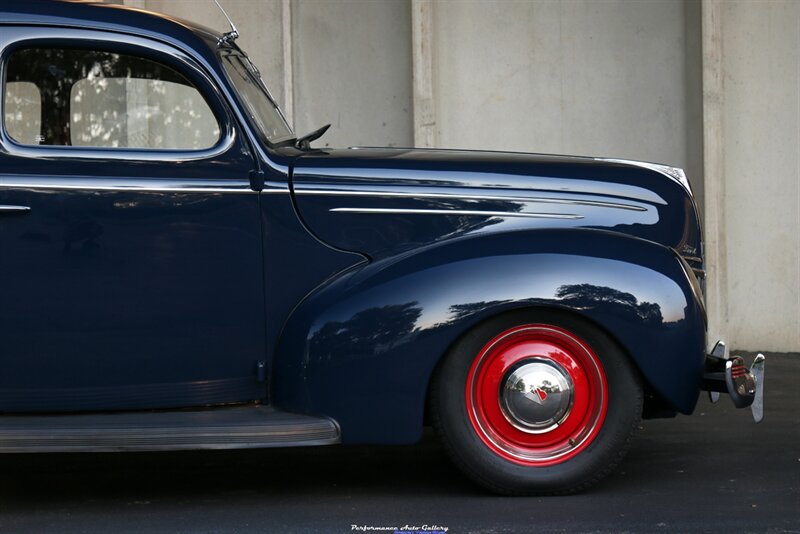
[(295, 263), (128, 299), (369, 341), (138, 282), (593, 194)]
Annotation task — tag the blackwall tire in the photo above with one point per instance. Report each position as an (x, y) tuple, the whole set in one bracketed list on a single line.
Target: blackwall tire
[(536, 402)]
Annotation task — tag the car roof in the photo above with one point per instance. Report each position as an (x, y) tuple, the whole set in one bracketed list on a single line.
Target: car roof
[(95, 15)]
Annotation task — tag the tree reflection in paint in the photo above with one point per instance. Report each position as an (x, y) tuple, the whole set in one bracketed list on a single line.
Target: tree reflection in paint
[(374, 330), (379, 329), (459, 312), (608, 300)]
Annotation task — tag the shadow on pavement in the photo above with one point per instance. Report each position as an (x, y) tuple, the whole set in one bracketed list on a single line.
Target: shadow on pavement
[(713, 471)]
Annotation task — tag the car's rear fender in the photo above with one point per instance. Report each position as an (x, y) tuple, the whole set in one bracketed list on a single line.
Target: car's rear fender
[(362, 349)]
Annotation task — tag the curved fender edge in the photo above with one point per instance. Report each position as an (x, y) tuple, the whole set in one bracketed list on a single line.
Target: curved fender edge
[(362, 349)]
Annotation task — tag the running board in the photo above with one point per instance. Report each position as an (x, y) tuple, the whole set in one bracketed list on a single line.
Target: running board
[(212, 428)]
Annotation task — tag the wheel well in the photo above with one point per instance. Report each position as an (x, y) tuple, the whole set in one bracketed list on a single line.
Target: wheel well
[(654, 406)]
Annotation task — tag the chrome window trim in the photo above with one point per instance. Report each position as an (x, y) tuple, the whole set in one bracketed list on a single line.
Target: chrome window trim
[(66, 152), (476, 213), (22, 35), (459, 196)]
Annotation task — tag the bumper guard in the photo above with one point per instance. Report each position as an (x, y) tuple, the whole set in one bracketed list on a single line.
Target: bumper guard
[(725, 374)]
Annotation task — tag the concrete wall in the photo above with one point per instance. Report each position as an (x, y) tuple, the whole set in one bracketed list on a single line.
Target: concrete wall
[(603, 78), (758, 179), (346, 62), (352, 65), (260, 23), (710, 85)]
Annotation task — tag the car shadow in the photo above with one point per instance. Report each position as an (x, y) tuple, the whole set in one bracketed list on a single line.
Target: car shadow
[(713, 469)]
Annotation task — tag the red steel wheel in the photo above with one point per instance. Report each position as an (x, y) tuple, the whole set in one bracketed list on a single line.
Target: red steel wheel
[(537, 395), (537, 401)]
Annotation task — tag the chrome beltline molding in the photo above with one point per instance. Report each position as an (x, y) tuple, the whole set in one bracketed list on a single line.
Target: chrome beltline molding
[(128, 184), (477, 213), (458, 196), (14, 208)]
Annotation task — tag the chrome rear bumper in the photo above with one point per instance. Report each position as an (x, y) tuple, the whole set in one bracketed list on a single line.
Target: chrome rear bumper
[(726, 374)]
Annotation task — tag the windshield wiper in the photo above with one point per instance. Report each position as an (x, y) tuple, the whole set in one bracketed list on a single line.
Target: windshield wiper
[(304, 143)]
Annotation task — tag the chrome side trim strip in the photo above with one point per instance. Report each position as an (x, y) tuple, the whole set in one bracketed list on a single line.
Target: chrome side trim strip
[(127, 184), (466, 181), (272, 187), (14, 208), (477, 213), (397, 194)]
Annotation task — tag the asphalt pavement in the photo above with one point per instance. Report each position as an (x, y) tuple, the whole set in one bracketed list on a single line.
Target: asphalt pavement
[(715, 471)]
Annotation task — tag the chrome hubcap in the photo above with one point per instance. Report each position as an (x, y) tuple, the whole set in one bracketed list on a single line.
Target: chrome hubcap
[(536, 395)]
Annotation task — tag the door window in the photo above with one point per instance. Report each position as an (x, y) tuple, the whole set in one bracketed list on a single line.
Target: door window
[(89, 98)]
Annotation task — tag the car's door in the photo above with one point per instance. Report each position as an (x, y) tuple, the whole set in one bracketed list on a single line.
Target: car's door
[(130, 247)]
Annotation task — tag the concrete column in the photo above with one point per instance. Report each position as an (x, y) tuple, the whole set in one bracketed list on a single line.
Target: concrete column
[(759, 230), (714, 170)]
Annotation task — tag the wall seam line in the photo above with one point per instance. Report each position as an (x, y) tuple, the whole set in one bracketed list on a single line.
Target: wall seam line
[(423, 102), (288, 61), (714, 170)]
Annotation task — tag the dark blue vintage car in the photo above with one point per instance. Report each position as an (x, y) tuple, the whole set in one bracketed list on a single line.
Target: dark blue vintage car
[(179, 271)]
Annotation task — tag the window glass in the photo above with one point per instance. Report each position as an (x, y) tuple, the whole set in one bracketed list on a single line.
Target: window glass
[(91, 98), (23, 111), (259, 104)]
